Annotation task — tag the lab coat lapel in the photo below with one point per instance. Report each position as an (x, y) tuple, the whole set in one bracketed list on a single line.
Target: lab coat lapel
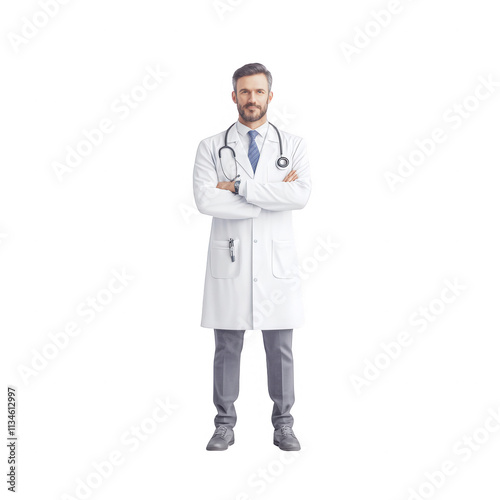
[(234, 141), (268, 154)]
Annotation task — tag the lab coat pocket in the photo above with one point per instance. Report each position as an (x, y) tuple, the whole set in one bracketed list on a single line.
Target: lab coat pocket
[(221, 265), (284, 258)]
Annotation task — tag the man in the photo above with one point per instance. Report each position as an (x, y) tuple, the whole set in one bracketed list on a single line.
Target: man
[(250, 178)]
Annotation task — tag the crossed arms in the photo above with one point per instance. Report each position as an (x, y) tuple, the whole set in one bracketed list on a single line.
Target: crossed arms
[(219, 200)]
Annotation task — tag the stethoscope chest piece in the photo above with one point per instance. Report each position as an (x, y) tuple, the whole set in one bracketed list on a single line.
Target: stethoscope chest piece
[(282, 162)]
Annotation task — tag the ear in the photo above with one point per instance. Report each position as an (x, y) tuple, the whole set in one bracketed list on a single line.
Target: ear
[(233, 95), (270, 96)]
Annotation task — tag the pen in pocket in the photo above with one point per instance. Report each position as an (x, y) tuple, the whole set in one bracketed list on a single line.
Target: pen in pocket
[(231, 249)]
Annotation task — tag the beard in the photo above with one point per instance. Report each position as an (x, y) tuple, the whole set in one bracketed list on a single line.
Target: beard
[(253, 117)]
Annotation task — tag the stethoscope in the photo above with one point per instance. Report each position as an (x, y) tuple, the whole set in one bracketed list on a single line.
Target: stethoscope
[(282, 162)]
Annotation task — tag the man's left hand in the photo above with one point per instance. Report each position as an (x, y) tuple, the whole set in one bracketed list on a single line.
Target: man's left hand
[(226, 185)]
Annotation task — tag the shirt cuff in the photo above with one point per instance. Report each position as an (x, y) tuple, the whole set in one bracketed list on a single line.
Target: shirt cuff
[(243, 188)]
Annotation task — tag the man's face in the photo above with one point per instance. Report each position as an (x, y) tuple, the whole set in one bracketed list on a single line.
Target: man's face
[(252, 97)]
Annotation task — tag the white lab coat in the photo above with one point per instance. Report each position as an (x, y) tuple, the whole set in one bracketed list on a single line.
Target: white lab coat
[(261, 289)]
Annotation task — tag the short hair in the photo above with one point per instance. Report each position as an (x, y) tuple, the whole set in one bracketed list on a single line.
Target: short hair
[(252, 69)]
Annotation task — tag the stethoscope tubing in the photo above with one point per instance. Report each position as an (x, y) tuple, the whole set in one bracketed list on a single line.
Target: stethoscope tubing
[(281, 163)]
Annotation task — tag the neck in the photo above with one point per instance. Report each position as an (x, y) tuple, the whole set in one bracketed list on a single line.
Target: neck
[(253, 125)]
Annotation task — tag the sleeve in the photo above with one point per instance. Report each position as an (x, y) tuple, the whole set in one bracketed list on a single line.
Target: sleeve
[(279, 196), (211, 200)]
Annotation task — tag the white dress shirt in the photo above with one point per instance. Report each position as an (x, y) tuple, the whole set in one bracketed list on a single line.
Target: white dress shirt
[(245, 138)]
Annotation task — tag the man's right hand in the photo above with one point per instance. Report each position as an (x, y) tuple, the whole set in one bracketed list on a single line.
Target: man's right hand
[(291, 176)]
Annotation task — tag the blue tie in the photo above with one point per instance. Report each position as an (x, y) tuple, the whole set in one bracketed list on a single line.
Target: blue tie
[(253, 150)]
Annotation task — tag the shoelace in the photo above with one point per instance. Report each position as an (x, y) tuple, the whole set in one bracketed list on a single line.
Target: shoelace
[(221, 430), (286, 430)]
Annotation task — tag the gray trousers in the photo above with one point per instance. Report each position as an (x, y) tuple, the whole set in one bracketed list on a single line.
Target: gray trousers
[(278, 347)]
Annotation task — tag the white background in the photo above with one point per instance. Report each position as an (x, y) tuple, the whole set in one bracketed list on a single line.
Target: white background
[(129, 205)]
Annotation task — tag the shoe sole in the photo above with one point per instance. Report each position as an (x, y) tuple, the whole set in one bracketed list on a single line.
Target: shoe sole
[(222, 449), (276, 443)]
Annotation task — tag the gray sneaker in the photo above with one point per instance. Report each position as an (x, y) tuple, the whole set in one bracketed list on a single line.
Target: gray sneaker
[(286, 439), (223, 438)]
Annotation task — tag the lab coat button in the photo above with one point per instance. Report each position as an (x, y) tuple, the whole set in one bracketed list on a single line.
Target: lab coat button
[(255, 241), (255, 279)]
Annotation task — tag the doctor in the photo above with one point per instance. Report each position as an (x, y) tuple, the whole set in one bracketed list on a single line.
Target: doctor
[(249, 178)]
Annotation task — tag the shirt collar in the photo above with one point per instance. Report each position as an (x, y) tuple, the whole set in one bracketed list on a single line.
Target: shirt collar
[(243, 129)]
